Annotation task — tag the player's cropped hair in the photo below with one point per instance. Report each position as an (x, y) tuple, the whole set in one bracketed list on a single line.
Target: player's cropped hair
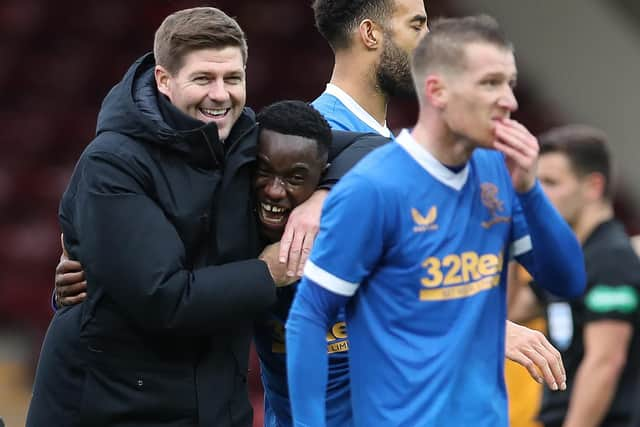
[(297, 118), (443, 47), (337, 19), (586, 149), (197, 28)]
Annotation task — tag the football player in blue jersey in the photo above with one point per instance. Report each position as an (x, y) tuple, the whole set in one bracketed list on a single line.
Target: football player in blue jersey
[(292, 155), (414, 242), (372, 41)]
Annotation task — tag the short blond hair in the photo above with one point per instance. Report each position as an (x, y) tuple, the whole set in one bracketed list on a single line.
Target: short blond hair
[(443, 47)]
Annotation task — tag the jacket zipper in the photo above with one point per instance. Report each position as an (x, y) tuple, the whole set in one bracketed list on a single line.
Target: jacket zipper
[(211, 150), (231, 147)]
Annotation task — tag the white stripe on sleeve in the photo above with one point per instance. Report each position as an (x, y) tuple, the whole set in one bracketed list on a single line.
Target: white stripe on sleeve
[(329, 281), (520, 246)]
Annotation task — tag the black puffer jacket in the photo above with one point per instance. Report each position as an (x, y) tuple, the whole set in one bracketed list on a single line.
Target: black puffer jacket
[(161, 220)]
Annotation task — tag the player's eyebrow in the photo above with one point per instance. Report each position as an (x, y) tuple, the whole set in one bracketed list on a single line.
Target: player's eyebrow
[(421, 19), (299, 167)]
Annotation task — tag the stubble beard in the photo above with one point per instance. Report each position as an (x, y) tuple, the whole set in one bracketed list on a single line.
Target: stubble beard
[(393, 74)]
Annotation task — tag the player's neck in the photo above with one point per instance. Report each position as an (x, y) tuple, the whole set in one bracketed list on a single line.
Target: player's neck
[(591, 217), (359, 84), (444, 146)]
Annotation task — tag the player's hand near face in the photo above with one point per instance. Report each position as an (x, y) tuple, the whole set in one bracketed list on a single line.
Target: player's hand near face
[(301, 230), (521, 150), (531, 349), (70, 283)]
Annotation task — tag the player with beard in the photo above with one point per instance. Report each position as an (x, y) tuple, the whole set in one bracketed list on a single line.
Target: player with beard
[(371, 41), (366, 75)]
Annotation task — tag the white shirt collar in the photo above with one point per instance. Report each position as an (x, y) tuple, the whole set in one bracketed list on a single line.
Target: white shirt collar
[(356, 109), (455, 180)]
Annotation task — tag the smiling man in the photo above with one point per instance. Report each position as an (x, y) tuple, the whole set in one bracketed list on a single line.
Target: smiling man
[(144, 195), (293, 149), (292, 156), (207, 84)]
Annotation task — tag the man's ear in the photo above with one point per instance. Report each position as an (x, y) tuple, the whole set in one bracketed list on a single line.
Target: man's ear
[(162, 80), (436, 91), (370, 34), (595, 184)]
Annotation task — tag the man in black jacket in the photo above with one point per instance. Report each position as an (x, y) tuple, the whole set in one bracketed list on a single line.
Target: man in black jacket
[(599, 333), (159, 213)]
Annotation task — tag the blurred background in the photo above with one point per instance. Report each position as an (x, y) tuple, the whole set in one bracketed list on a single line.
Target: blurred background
[(579, 61)]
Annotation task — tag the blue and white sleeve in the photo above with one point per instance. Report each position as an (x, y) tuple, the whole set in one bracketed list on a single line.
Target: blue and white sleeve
[(313, 309), (546, 246), (349, 245)]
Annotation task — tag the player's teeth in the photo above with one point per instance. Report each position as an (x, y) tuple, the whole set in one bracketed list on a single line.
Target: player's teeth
[(271, 208), (214, 112)]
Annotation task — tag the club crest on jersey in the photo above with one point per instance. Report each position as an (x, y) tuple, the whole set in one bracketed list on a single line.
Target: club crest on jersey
[(489, 196), (424, 223)]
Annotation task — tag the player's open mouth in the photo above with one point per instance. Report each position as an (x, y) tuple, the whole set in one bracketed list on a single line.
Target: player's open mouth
[(215, 113), (272, 215)]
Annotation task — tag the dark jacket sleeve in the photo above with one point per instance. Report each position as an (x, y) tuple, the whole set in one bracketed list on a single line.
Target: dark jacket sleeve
[(347, 150), (133, 254)]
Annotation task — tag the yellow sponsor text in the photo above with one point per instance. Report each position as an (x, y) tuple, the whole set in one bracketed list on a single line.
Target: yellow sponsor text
[(337, 332), (461, 291), (338, 347), (467, 269)]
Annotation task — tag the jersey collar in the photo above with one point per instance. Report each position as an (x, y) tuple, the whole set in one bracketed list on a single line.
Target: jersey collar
[(424, 158), (357, 110)]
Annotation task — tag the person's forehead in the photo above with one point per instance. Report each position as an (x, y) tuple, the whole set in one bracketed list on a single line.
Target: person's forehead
[(228, 57), (408, 8), (555, 162), (484, 56), (273, 142)]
